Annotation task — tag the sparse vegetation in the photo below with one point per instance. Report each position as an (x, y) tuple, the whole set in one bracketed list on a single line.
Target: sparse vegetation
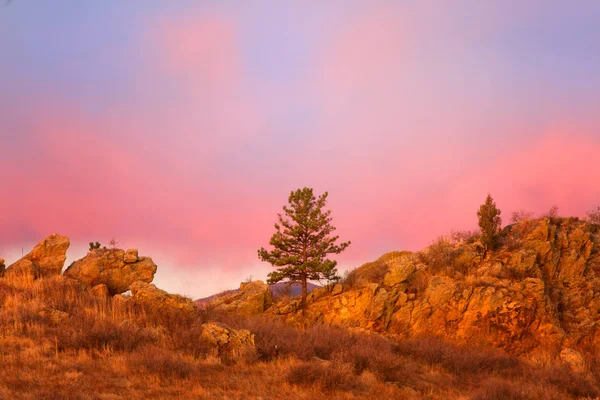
[(521, 215), (94, 245), (551, 213), (58, 341)]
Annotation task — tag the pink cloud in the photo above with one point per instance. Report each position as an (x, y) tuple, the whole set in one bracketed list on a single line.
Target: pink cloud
[(406, 150)]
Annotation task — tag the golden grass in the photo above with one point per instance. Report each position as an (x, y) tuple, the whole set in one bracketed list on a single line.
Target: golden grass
[(58, 341)]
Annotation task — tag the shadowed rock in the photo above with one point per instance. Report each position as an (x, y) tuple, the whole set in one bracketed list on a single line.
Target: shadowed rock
[(109, 267), (252, 298), (46, 259), (2, 267), (228, 342)]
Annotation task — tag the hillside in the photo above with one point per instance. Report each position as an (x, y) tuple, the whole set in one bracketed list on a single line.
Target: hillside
[(450, 322), (277, 289), (537, 295)]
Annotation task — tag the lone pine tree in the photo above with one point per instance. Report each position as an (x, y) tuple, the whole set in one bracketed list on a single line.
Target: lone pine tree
[(489, 222), (301, 242)]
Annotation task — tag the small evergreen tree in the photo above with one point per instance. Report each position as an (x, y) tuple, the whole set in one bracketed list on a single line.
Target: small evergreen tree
[(489, 222), (302, 241), (94, 246)]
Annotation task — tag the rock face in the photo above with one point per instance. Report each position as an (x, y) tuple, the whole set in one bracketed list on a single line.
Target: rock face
[(252, 298), (2, 267), (228, 342), (539, 290), (46, 259), (143, 291), (110, 267)]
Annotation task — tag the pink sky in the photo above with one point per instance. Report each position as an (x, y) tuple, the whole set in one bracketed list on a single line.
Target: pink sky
[(184, 133)]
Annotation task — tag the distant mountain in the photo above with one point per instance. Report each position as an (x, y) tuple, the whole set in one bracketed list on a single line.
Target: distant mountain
[(295, 289)]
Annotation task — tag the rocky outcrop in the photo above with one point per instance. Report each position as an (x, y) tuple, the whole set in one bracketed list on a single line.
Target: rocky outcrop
[(539, 290), (144, 292), (46, 259), (2, 267), (252, 298), (227, 342), (114, 268)]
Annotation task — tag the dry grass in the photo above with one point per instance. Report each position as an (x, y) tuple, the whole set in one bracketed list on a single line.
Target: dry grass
[(57, 341)]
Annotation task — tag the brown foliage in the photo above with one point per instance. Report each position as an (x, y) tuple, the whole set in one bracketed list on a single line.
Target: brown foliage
[(57, 341)]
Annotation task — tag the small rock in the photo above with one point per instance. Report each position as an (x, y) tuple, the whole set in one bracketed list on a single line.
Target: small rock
[(398, 274), (337, 289), (131, 256), (252, 298), (573, 359), (225, 341)]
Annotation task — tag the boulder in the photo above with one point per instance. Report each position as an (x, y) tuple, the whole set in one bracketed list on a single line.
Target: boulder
[(158, 298), (573, 359), (109, 267), (131, 256), (252, 298), (46, 259), (227, 342)]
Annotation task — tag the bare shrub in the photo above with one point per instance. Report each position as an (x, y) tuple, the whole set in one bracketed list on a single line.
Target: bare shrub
[(552, 213), (467, 237), (460, 360), (502, 389), (521, 215), (439, 256), (575, 384), (593, 217), (328, 375)]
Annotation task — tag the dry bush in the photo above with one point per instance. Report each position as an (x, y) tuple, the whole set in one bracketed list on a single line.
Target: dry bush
[(439, 256), (551, 214), (593, 217), (330, 376), (467, 237), (562, 378), (521, 215), (502, 389), (103, 349), (162, 362), (460, 360), (349, 278)]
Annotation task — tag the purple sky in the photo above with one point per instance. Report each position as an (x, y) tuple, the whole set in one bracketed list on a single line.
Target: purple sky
[(181, 127)]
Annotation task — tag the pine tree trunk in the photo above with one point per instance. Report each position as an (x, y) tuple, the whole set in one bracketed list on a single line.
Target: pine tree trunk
[(304, 293)]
